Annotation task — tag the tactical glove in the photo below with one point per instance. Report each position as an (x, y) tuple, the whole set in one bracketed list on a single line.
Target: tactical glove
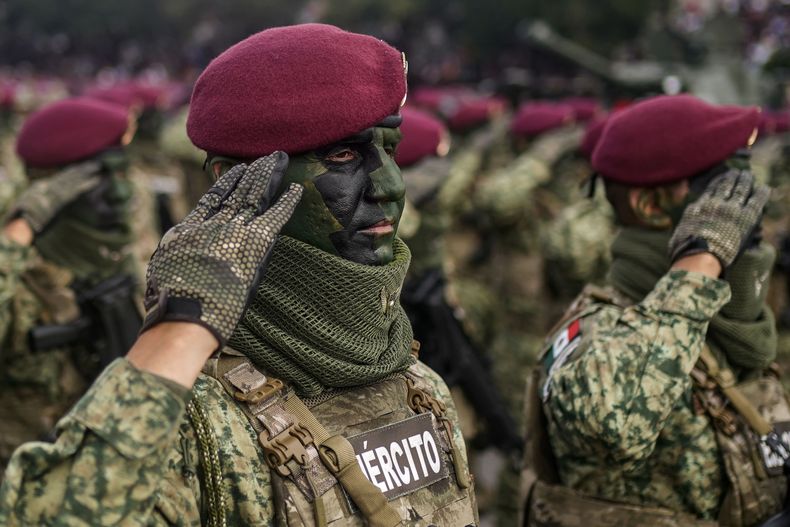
[(45, 198), (722, 219), (206, 267)]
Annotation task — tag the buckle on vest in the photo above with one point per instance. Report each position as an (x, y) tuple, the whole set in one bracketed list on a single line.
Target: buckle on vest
[(261, 393), (286, 447), (419, 401)]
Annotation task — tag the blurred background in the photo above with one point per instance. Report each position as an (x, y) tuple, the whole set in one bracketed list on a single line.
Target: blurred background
[(517, 48)]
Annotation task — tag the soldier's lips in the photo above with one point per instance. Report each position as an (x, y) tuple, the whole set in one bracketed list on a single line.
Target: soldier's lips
[(380, 228)]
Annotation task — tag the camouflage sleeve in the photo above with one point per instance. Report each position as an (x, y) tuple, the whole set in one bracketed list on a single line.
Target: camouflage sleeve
[(14, 260), (108, 462), (632, 366)]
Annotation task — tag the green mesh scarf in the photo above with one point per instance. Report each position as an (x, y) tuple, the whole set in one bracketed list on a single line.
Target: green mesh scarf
[(321, 322), (743, 331)]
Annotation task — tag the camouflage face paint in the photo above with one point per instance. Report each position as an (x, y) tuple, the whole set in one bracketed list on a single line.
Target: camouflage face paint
[(353, 199)]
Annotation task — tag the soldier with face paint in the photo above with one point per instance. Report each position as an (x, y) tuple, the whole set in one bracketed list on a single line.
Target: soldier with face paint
[(66, 238), (275, 380)]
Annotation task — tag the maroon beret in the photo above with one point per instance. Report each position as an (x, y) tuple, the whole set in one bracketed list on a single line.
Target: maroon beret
[(592, 134), (670, 137), (128, 94), (70, 130), (294, 89), (772, 122), (422, 135), (584, 108), (535, 118)]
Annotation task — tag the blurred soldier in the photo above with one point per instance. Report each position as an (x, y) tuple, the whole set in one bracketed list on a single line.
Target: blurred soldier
[(175, 144), (67, 293), (316, 412), (654, 403), (575, 243)]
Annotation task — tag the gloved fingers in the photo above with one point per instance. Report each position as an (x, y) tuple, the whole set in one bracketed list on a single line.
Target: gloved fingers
[(758, 199), (273, 220), (743, 187), (208, 205), (721, 187), (267, 174), (233, 204)]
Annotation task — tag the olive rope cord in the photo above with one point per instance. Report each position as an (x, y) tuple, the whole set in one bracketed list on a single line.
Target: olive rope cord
[(208, 448)]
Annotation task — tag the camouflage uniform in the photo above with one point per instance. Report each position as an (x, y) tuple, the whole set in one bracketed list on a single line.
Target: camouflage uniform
[(36, 389), (128, 452), (624, 419)]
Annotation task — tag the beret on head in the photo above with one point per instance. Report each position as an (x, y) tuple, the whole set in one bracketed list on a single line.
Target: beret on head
[(774, 122), (535, 118), (592, 134), (460, 107), (294, 89), (70, 130), (670, 137), (422, 135), (584, 108), (127, 95)]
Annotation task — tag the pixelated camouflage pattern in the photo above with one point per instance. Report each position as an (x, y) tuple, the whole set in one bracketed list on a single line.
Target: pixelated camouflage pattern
[(36, 389), (621, 419), (12, 174), (127, 454), (365, 408)]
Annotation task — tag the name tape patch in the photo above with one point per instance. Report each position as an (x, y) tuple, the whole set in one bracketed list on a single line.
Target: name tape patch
[(774, 464), (402, 457)]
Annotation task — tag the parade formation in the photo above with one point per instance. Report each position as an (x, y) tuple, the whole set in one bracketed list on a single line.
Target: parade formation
[(299, 290)]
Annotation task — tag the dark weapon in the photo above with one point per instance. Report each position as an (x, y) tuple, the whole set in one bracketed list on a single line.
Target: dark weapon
[(446, 348), (108, 323)]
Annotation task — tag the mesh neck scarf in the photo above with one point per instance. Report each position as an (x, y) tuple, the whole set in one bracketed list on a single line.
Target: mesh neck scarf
[(321, 322), (743, 331)]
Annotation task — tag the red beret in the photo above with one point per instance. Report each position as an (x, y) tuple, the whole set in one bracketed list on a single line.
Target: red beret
[(584, 108), (670, 137), (294, 89), (460, 107), (538, 117), (128, 94), (592, 134), (70, 130), (774, 122), (422, 134)]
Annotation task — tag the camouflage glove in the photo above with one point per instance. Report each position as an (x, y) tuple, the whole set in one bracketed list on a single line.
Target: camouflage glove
[(722, 219), (206, 267), (45, 198)]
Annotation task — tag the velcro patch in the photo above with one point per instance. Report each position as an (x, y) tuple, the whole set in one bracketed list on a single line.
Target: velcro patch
[(564, 344), (402, 457)]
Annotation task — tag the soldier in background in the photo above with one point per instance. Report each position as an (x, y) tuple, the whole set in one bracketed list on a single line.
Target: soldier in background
[(654, 401), (68, 299)]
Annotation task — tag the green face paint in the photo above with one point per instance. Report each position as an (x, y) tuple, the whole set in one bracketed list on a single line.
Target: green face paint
[(353, 199)]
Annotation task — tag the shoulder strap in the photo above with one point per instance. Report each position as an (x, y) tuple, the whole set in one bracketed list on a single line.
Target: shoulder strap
[(288, 431), (725, 380)]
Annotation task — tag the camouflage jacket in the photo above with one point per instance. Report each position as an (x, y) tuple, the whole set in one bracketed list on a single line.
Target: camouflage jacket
[(129, 454), (618, 399), (36, 389)]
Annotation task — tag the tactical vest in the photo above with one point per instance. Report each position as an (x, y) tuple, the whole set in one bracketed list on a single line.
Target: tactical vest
[(744, 416), (378, 455)]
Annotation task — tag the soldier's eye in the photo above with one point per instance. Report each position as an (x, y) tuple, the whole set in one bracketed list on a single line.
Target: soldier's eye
[(345, 155)]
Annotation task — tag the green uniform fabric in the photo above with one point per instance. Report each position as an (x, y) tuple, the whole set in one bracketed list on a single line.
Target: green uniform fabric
[(744, 330), (128, 454), (36, 389), (621, 420), (320, 321)]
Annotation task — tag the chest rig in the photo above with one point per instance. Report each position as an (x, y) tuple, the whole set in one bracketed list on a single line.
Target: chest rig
[(378, 455), (752, 424)]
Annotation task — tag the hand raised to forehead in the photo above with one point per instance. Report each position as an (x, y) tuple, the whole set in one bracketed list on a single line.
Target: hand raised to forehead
[(45, 198), (722, 219), (206, 267)]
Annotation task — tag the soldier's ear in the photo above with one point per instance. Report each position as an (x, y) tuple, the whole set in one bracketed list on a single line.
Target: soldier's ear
[(646, 204)]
